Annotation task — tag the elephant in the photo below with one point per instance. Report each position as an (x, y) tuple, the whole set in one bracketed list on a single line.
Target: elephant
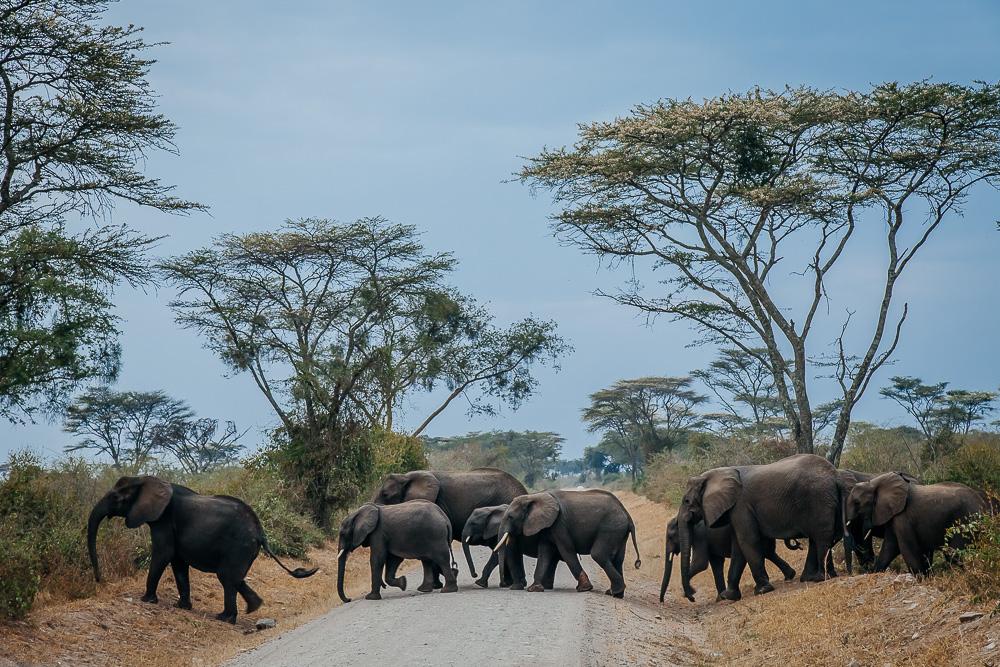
[(482, 529), (415, 529), (219, 534), (858, 540), (712, 546), (568, 523), (798, 496), (458, 494), (914, 517)]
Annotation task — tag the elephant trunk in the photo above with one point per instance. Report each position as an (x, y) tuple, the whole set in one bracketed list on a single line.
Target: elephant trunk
[(668, 566), (98, 514), (341, 567), (685, 539), (468, 556)]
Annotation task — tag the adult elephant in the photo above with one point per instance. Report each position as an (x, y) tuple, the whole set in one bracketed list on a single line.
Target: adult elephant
[(483, 529), (218, 534), (458, 494), (568, 523), (712, 546), (798, 496), (914, 517)]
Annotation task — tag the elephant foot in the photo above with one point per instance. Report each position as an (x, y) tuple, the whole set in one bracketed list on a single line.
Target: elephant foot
[(812, 578), (620, 594), (482, 583), (254, 603), (401, 583), (718, 597), (536, 588), (425, 587), (517, 586), (503, 584), (227, 617), (761, 589), (374, 595), (832, 574), (437, 585), (150, 598), (789, 575), (450, 588), (183, 604), (583, 583), (732, 595)]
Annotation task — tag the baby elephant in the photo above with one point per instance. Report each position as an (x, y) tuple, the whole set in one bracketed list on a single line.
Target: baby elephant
[(568, 523), (915, 517), (416, 529), (483, 529), (712, 546)]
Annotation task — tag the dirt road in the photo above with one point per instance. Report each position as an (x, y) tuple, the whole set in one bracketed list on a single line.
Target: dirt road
[(495, 626)]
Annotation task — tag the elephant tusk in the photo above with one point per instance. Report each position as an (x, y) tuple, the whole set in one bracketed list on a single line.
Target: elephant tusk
[(467, 539), (867, 535), (341, 553), (503, 541)]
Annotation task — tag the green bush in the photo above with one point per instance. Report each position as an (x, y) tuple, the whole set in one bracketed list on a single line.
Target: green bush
[(19, 578), (978, 573), (975, 463), (874, 449)]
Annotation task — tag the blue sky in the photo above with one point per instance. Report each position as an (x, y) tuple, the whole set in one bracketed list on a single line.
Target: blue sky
[(419, 111)]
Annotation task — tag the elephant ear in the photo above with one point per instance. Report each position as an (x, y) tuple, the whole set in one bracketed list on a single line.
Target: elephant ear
[(492, 526), (892, 492), (422, 485), (722, 488), (365, 521), (542, 513), (153, 497)]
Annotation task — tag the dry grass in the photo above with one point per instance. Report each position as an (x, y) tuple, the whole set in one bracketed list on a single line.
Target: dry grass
[(115, 628)]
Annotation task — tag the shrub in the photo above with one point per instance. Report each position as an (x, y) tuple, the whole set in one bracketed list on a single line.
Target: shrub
[(874, 449), (976, 463), (19, 579), (979, 572)]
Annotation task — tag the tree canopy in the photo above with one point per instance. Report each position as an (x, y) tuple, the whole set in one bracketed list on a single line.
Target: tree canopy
[(728, 197)]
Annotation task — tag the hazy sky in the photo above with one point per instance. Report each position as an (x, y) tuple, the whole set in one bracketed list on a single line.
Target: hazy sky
[(419, 111)]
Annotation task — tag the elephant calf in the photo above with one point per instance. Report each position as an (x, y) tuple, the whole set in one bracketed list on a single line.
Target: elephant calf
[(217, 534), (483, 529), (568, 523), (416, 529), (712, 546), (914, 517)]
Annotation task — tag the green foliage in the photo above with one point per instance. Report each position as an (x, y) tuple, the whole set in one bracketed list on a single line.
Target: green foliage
[(528, 455), (978, 573), (976, 463), (19, 577), (871, 448)]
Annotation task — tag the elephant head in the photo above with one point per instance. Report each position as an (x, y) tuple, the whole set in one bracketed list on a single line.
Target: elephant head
[(672, 547), (708, 498), (482, 527), (354, 533), (875, 502), (418, 484), (527, 515), (139, 499)]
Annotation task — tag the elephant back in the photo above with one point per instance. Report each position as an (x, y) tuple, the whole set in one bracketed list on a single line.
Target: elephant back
[(463, 492)]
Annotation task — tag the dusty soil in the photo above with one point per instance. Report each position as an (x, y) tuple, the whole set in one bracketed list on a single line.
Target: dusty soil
[(862, 620)]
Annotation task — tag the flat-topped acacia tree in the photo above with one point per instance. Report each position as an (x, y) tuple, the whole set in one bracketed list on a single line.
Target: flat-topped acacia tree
[(743, 206)]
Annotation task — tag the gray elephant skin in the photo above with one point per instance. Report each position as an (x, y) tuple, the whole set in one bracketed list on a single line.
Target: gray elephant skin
[(416, 529), (859, 538), (569, 523), (458, 494), (798, 496), (218, 534), (712, 546), (912, 517), (483, 529)]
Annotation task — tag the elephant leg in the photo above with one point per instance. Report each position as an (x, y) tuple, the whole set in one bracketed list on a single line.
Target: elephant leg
[(619, 560), (377, 563), (820, 559), (916, 559), (787, 571), (569, 555), (249, 596), (183, 581), (718, 564), (437, 572), (737, 564), (229, 589), (428, 583), (158, 562), (831, 569), (484, 579), (604, 557), (810, 569), (392, 563), (888, 552), (751, 545), (514, 561), (545, 568), (442, 559)]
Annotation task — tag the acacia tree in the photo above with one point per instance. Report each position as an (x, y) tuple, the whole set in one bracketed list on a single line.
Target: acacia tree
[(728, 197), (533, 452), (199, 445), (77, 119), (336, 324), (126, 426), (744, 388)]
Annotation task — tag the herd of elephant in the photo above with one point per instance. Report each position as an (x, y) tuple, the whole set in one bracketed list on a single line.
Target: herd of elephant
[(732, 512)]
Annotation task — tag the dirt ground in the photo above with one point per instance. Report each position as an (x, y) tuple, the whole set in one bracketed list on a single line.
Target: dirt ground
[(862, 620)]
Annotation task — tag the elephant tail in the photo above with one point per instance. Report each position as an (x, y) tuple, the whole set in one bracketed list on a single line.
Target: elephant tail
[(451, 550), (792, 544), (631, 530), (298, 573)]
